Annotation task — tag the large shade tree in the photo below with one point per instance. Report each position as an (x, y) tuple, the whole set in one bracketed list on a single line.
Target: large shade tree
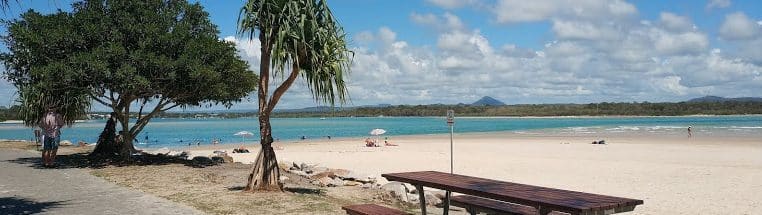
[(138, 58), (298, 39)]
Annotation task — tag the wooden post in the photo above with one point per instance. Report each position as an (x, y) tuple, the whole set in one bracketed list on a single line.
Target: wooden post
[(421, 198), (446, 203)]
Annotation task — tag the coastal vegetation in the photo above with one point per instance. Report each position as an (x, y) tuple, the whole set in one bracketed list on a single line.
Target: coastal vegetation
[(592, 109), (298, 38), (155, 55)]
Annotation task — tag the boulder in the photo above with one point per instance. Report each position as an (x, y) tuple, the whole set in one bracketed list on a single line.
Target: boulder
[(410, 188), (367, 186), (410, 198), (65, 143), (323, 174), (341, 173), (295, 166), (336, 182), (324, 181), (227, 158), (352, 183), (395, 189), (315, 170), (283, 178), (431, 198)]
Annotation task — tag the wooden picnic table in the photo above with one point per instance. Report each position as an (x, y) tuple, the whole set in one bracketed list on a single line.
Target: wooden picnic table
[(544, 199)]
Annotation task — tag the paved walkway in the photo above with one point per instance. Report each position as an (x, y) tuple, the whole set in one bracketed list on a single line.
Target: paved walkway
[(27, 189)]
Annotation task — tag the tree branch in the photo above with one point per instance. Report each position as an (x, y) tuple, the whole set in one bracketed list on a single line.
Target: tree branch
[(143, 121), (94, 97), (284, 86)]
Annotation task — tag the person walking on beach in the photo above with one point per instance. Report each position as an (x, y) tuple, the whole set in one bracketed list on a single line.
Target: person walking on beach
[(50, 124), (689, 132)]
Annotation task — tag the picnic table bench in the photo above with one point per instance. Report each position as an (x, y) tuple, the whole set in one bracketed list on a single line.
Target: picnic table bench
[(544, 200)]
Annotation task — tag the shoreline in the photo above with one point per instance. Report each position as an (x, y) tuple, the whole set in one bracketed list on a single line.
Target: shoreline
[(705, 174), (463, 117)]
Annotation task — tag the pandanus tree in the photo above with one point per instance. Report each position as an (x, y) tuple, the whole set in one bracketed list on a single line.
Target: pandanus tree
[(298, 39), (137, 58)]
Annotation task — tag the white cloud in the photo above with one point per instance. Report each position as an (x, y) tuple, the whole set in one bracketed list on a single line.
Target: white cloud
[(446, 22), (681, 43), (717, 4), (738, 26), (583, 30), (451, 4), (674, 22), (509, 11)]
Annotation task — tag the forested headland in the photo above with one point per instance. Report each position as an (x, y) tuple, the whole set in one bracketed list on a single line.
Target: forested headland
[(593, 109)]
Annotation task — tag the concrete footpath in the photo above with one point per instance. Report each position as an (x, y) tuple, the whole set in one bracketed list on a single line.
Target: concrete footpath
[(25, 188)]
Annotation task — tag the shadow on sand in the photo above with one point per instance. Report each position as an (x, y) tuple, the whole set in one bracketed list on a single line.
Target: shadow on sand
[(82, 160), (14, 205)]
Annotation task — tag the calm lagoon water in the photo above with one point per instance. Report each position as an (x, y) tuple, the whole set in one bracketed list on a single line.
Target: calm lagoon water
[(179, 132)]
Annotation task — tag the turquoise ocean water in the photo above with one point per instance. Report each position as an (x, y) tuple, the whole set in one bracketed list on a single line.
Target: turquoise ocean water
[(180, 132)]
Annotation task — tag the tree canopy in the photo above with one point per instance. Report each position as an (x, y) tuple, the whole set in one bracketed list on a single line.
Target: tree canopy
[(147, 55)]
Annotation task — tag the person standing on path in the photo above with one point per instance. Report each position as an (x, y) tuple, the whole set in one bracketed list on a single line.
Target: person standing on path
[(51, 124)]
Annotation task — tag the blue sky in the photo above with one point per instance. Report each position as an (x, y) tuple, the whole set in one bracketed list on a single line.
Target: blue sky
[(540, 51)]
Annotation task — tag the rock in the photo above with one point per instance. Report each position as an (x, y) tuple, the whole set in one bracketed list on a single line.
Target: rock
[(367, 186), (336, 182), (227, 158), (324, 181), (431, 198), (283, 178), (341, 173), (303, 167), (410, 188), (352, 183), (410, 198), (294, 166), (395, 189), (317, 170), (323, 174), (65, 143)]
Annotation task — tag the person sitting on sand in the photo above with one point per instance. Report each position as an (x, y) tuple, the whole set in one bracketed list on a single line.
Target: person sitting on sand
[(240, 149), (387, 143), (369, 142)]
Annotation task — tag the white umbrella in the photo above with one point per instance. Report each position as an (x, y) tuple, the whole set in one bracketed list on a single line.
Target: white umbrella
[(243, 135), (376, 132)]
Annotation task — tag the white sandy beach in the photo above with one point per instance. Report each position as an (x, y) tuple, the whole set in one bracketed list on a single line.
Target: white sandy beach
[(673, 174)]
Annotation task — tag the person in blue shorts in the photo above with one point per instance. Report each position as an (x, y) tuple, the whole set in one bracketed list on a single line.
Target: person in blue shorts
[(50, 124)]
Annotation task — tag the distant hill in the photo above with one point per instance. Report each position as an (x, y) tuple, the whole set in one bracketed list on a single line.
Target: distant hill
[(488, 101), (723, 99)]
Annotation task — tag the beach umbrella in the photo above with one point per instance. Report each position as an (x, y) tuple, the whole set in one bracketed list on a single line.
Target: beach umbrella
[(376, 132), (243, 135)]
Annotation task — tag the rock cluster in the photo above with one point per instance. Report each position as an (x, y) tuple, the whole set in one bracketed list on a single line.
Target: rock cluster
[(326, 177), (409, 194)]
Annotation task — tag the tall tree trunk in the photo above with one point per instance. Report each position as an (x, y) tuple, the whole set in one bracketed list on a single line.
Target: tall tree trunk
[(106, 146), (265, 173), (109, 146)]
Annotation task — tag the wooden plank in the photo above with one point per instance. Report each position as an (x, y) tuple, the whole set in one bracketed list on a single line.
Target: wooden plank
[(371, 209), (540, 197)]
